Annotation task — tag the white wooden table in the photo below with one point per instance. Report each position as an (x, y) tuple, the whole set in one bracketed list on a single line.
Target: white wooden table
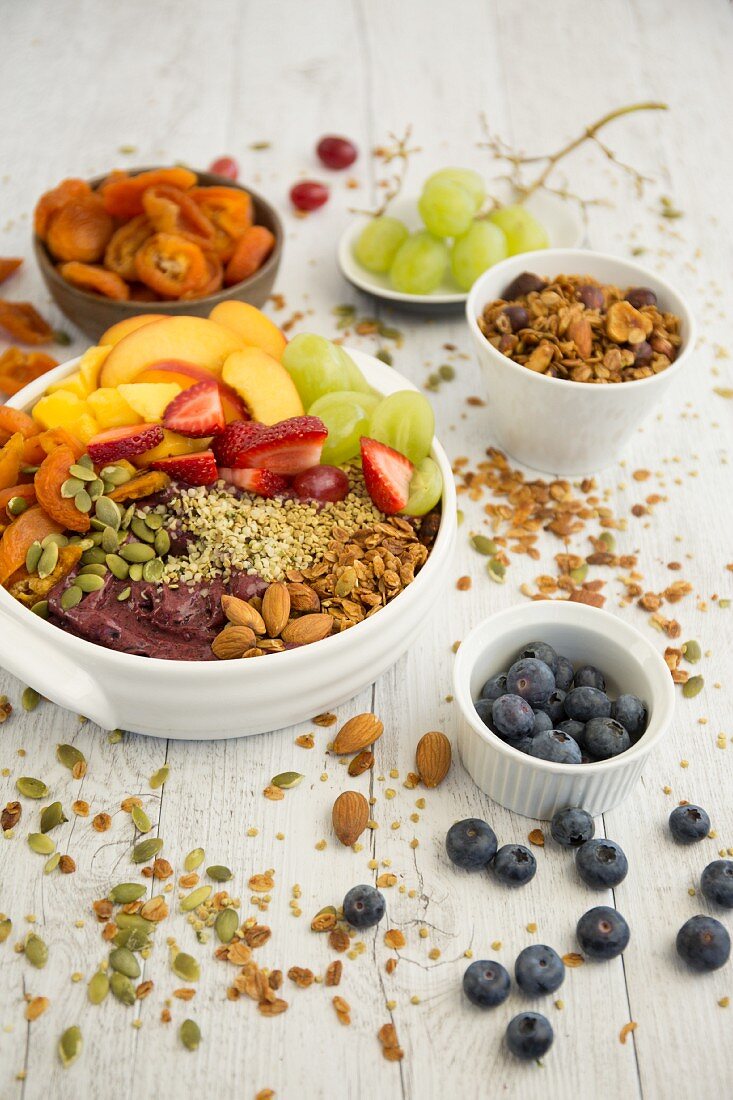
[(190, 82)]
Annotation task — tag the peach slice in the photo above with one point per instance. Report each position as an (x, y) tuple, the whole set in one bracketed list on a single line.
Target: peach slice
[(124, 328), (251, 325), (173, 444), (187, 375), (263, 384), (193, 339)]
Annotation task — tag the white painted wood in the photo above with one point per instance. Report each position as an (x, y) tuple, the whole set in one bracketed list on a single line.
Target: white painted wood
[(77, 82)]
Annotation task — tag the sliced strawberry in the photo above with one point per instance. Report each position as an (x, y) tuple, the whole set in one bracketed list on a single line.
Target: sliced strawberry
[(119, 443), (262, 482), (286, 448), (197, 411), (387, 475), (233, 439), (195, 469)]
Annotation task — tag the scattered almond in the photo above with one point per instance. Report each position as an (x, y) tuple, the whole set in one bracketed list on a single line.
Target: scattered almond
[(361, 763), (357, 733), (350, 815), (433, 758)]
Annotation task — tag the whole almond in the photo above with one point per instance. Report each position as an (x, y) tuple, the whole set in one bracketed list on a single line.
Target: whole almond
[(307, 629), (350, 815), (232, 642), (357, 733), (303, 597), (433, 757), (240, 613), (581, 334), (361, 763), (276, 608)]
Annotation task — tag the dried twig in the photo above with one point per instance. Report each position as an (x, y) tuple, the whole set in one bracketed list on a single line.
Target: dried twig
[(401, 151)]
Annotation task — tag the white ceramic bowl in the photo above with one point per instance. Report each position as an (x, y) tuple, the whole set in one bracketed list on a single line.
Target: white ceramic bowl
[(551, 424), (211, 699), (538, 788)]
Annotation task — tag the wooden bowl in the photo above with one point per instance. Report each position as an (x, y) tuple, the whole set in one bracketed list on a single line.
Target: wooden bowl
[(94, 314)]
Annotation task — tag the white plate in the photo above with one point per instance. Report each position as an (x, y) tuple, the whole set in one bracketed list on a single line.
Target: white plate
[(559, 216)]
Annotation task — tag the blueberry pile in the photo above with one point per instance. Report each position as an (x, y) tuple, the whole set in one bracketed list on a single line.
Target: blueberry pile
[(472, 845), (544, 707)]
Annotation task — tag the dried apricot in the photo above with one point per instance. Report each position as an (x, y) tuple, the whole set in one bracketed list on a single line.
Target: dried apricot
[(171, 265), (30, 526), (253, 248), (95, 279), (24, 323), (119, 255), (51, 475), (7, 267), (29, 588), (60, 437), (18, 368), (171, 210), (24, 490), (141, 293), (54, 199), (123, 197), (80, 230), (14, 420), (144, 485), (213, 280), (11, 459), (229, 210)]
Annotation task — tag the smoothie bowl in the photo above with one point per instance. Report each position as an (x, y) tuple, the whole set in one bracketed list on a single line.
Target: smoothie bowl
[(209, 532)]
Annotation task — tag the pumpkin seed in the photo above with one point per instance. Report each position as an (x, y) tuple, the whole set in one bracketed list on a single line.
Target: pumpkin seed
[(51, 864), (82, 501), (82, 471), (194, 859), (185, 967), (41, 844), (33, 556), (162, 542), (6, 927), (154, 521), (484, 545), (496, 570), (109, 542), (137, 552), (71, 597), (219, 873), (95, 488), (122, 988), (98, 987), (125, 892), (140, 528), (96, 569), (89, 583), (133, 938), (85, 544), (69, 756), (52, 816), (124, 962), (159, 777), (16, 506), (127, 515), (97, 527), (693, 687), (286, 780), (146, 849), (579, 573), (136, 572), (71, 487), (118, 567), (190, 1034), (692, 652), (94, 556), (108, 512), (48, 560), (195, 898), (608, 540), (86, 460), (36, 951), (40, 608), (124, 595), (141, 819), (115, 736), (116, 475), (30, 787), (153, 571), (226, 924), (54, 536), (70, 1045)]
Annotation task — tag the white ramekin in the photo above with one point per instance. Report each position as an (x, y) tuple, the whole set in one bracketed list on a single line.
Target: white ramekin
[(211, 699), (586, 635), (551, 424)]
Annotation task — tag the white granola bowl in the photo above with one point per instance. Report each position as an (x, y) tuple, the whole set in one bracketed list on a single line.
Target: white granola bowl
[(538, 788), (560, 427), (213, 699)]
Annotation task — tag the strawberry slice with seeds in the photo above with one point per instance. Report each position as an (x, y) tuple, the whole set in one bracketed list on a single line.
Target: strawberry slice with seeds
[(387, 475), (127, 442), (261, 482), (195, 469), (287, 448), (197, 411), (233, 439)]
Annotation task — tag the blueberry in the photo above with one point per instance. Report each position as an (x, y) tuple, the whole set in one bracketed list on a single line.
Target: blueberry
[(471, 844), (716, 882), (514, 865), (512, 716), (703, 943), (553, 707), (363, 906), (532, 679), (529, 1035), (574, 729), (494, 687), (572, 827), (541, 651), (539, 969), (486, 983), (584, 703), (542, 722), (605, 738), (484, 708), (631, 713), (523, 745), (601, 863), (564, 674), (589, 676), (602, 932), (688, 824), (556, 746)]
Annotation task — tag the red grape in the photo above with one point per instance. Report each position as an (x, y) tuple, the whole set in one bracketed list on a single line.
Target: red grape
[(225, 166), (321, 483), (336, 152), (308, 195)]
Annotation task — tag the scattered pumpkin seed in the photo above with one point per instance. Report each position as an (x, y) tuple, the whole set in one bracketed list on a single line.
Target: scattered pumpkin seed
[(69, 756), (146, 849), (126, 892), (118, 567), (226, 924), (124, 595), (194, 859), (48, 560), (71, 597), (158, 778), (484, 545), (608, 540), (124, 962), (136, 572), (162, 542), (51, 864), (33, 556), (137, 552), (70, 1045), (98, 987), (693, 687), (190, 1034), (195, 898), (89, 583), (41, 844), (16, 506), (82, 471), (692, 652), (6, 927), (82, 501), (141, 819), (133, 938), (153, 571), (30, 787), (71, 487), (40, 608), (185, 967), (36, 951), (579, 573), (286, 780), (51, 816), (496, 570), (95, 569), (109, 542), (122, 988), (219, 873), (115, 736)]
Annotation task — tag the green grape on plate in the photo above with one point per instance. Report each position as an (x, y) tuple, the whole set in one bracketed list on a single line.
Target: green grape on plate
[(405, 422), (480, 248), (465, 177), (420, 264), (446, 208), (378, 243), (346, 414), (522, 230), (317, 367), (426, 487)]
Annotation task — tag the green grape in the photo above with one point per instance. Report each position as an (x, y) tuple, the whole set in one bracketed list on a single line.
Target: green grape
[(426, 487), (378, 243), (466, 178), (405, 422), (317, 366), (446, 208), (522, 231), (482, 246), (420, 264), (346, 415)]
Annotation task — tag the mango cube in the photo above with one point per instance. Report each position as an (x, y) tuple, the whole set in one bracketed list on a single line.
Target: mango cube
[(173, 444), (74, 383), (90, 365), (149, 399), (64, 409), (111, 410)]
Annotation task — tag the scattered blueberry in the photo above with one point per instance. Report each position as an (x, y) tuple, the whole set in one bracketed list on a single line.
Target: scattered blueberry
[(542, 722), (601, 863), (494, 687), (605, 738), (574, 729), (631, 713), (539, 969), (553, 707), (716, 882), (602, 932), (363, 906), (512, 716), (529, 1035), (556, 746), (572, 827), (589, 676), (584, 703), (532, 679), (564, 674), (689, 823), (703, 943), (484, 708), (541, 651), (471, 844), (486, 983), (514, 865)]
